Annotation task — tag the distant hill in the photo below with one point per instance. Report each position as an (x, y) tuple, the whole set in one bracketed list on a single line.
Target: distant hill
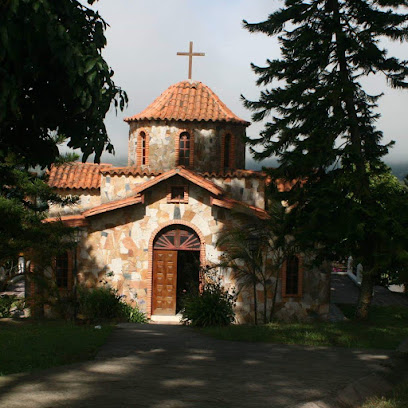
[(400, 169)]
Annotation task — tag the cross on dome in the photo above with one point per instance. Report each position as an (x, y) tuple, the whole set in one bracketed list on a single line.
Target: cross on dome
[(190, 56)]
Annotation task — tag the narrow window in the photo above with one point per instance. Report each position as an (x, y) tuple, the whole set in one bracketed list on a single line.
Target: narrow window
[(227, 151), (184, 149), (62, 270), (292, 276), (143, 149)]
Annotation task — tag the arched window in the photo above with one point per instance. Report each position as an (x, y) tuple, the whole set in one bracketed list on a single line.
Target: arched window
[(227, 151), (62, 270), (184, 149), (143, 141), (143, 149), (292, 277)]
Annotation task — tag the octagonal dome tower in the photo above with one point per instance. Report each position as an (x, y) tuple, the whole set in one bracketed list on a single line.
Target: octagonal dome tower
[(187, 125)]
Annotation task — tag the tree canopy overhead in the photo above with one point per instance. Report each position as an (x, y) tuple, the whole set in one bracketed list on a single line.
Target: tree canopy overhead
[(53, 79), (321, 121)]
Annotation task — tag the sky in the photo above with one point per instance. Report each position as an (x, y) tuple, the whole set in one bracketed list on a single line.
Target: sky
[(144, 37)]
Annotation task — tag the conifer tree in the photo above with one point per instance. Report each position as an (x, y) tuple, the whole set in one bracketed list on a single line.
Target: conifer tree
[(321, 122)]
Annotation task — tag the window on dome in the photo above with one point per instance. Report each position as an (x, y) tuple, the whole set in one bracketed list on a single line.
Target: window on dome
[(143, 140), (227, 151), (184, 149), (143, 149)]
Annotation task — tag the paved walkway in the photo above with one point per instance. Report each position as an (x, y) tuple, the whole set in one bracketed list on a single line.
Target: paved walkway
[(343, 290), (163, 366)]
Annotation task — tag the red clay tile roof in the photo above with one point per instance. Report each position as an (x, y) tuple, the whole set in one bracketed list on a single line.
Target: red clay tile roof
[(113, 205), (76, 175), (129, 171), (188, 175), (238, 173), (77, 220), (137, 171), (188, 101), (230, 203)]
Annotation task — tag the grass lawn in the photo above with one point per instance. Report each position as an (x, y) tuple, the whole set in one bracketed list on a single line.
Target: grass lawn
[(398, 399), (386, 327), (31, 345)]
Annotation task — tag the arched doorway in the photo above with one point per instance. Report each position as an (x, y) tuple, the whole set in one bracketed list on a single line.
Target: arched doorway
[(176, 265)]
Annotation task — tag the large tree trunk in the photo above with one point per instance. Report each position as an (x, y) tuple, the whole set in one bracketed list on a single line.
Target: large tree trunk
[(265, 303), (366, 295), (255, 305), (274, 296)]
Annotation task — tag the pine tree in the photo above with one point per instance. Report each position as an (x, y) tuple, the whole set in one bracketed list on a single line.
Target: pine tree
[(322, 122)]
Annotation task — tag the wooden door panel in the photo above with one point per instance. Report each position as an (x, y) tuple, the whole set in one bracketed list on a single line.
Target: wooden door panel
[(164, 282)]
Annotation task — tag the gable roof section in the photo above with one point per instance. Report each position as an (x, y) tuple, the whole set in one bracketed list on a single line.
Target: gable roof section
[(230, 204), (219, 199), (188, 175), (188, 101), (113, 205), (76, 175), (76, 220)]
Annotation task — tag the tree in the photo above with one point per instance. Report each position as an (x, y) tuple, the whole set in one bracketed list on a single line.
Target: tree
[(24, 200), (54, 86), (322, 125), (53, 78), (255, 250)]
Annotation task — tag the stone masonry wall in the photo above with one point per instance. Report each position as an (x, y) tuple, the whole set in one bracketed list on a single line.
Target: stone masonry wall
[(87, 199), (118, 242), (250, 190), (207, 140)]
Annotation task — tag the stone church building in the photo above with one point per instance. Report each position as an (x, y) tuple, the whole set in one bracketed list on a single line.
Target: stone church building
[(147, 227)]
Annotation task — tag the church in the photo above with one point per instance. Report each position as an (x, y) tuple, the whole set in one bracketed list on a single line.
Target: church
[(150, 228)]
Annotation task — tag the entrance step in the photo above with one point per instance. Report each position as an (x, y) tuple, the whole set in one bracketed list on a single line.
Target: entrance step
[(159, 319)]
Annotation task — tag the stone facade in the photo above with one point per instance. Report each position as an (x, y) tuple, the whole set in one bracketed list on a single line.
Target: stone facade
[(122, 209), (207, 138), (116, 246), (118, 241)]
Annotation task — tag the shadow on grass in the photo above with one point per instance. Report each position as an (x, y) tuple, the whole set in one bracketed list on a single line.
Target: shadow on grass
[(34, 344), (385, 329), (157, 366)]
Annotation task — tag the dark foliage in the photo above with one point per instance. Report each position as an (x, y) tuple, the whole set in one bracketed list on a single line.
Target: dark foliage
[(53, 78), (321, 126), (214, 306), (104, 303)]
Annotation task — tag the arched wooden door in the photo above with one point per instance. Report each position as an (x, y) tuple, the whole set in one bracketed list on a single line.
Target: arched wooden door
[(165, 249)]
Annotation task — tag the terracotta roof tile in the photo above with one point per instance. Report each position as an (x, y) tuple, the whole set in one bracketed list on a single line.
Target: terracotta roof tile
[(137, 171), (113, 205), (77, 220), (129, 171), (188, 101), (230, 203), (76, 175), (239, 173), (188, 175)]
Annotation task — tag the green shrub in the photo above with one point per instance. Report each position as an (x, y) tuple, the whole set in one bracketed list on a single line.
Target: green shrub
[(7, 302), (214, 306), (99, 303), (104, 303), (133, 314)]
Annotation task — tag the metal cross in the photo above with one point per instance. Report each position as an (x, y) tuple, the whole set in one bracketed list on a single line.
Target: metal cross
[(190, 56)]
